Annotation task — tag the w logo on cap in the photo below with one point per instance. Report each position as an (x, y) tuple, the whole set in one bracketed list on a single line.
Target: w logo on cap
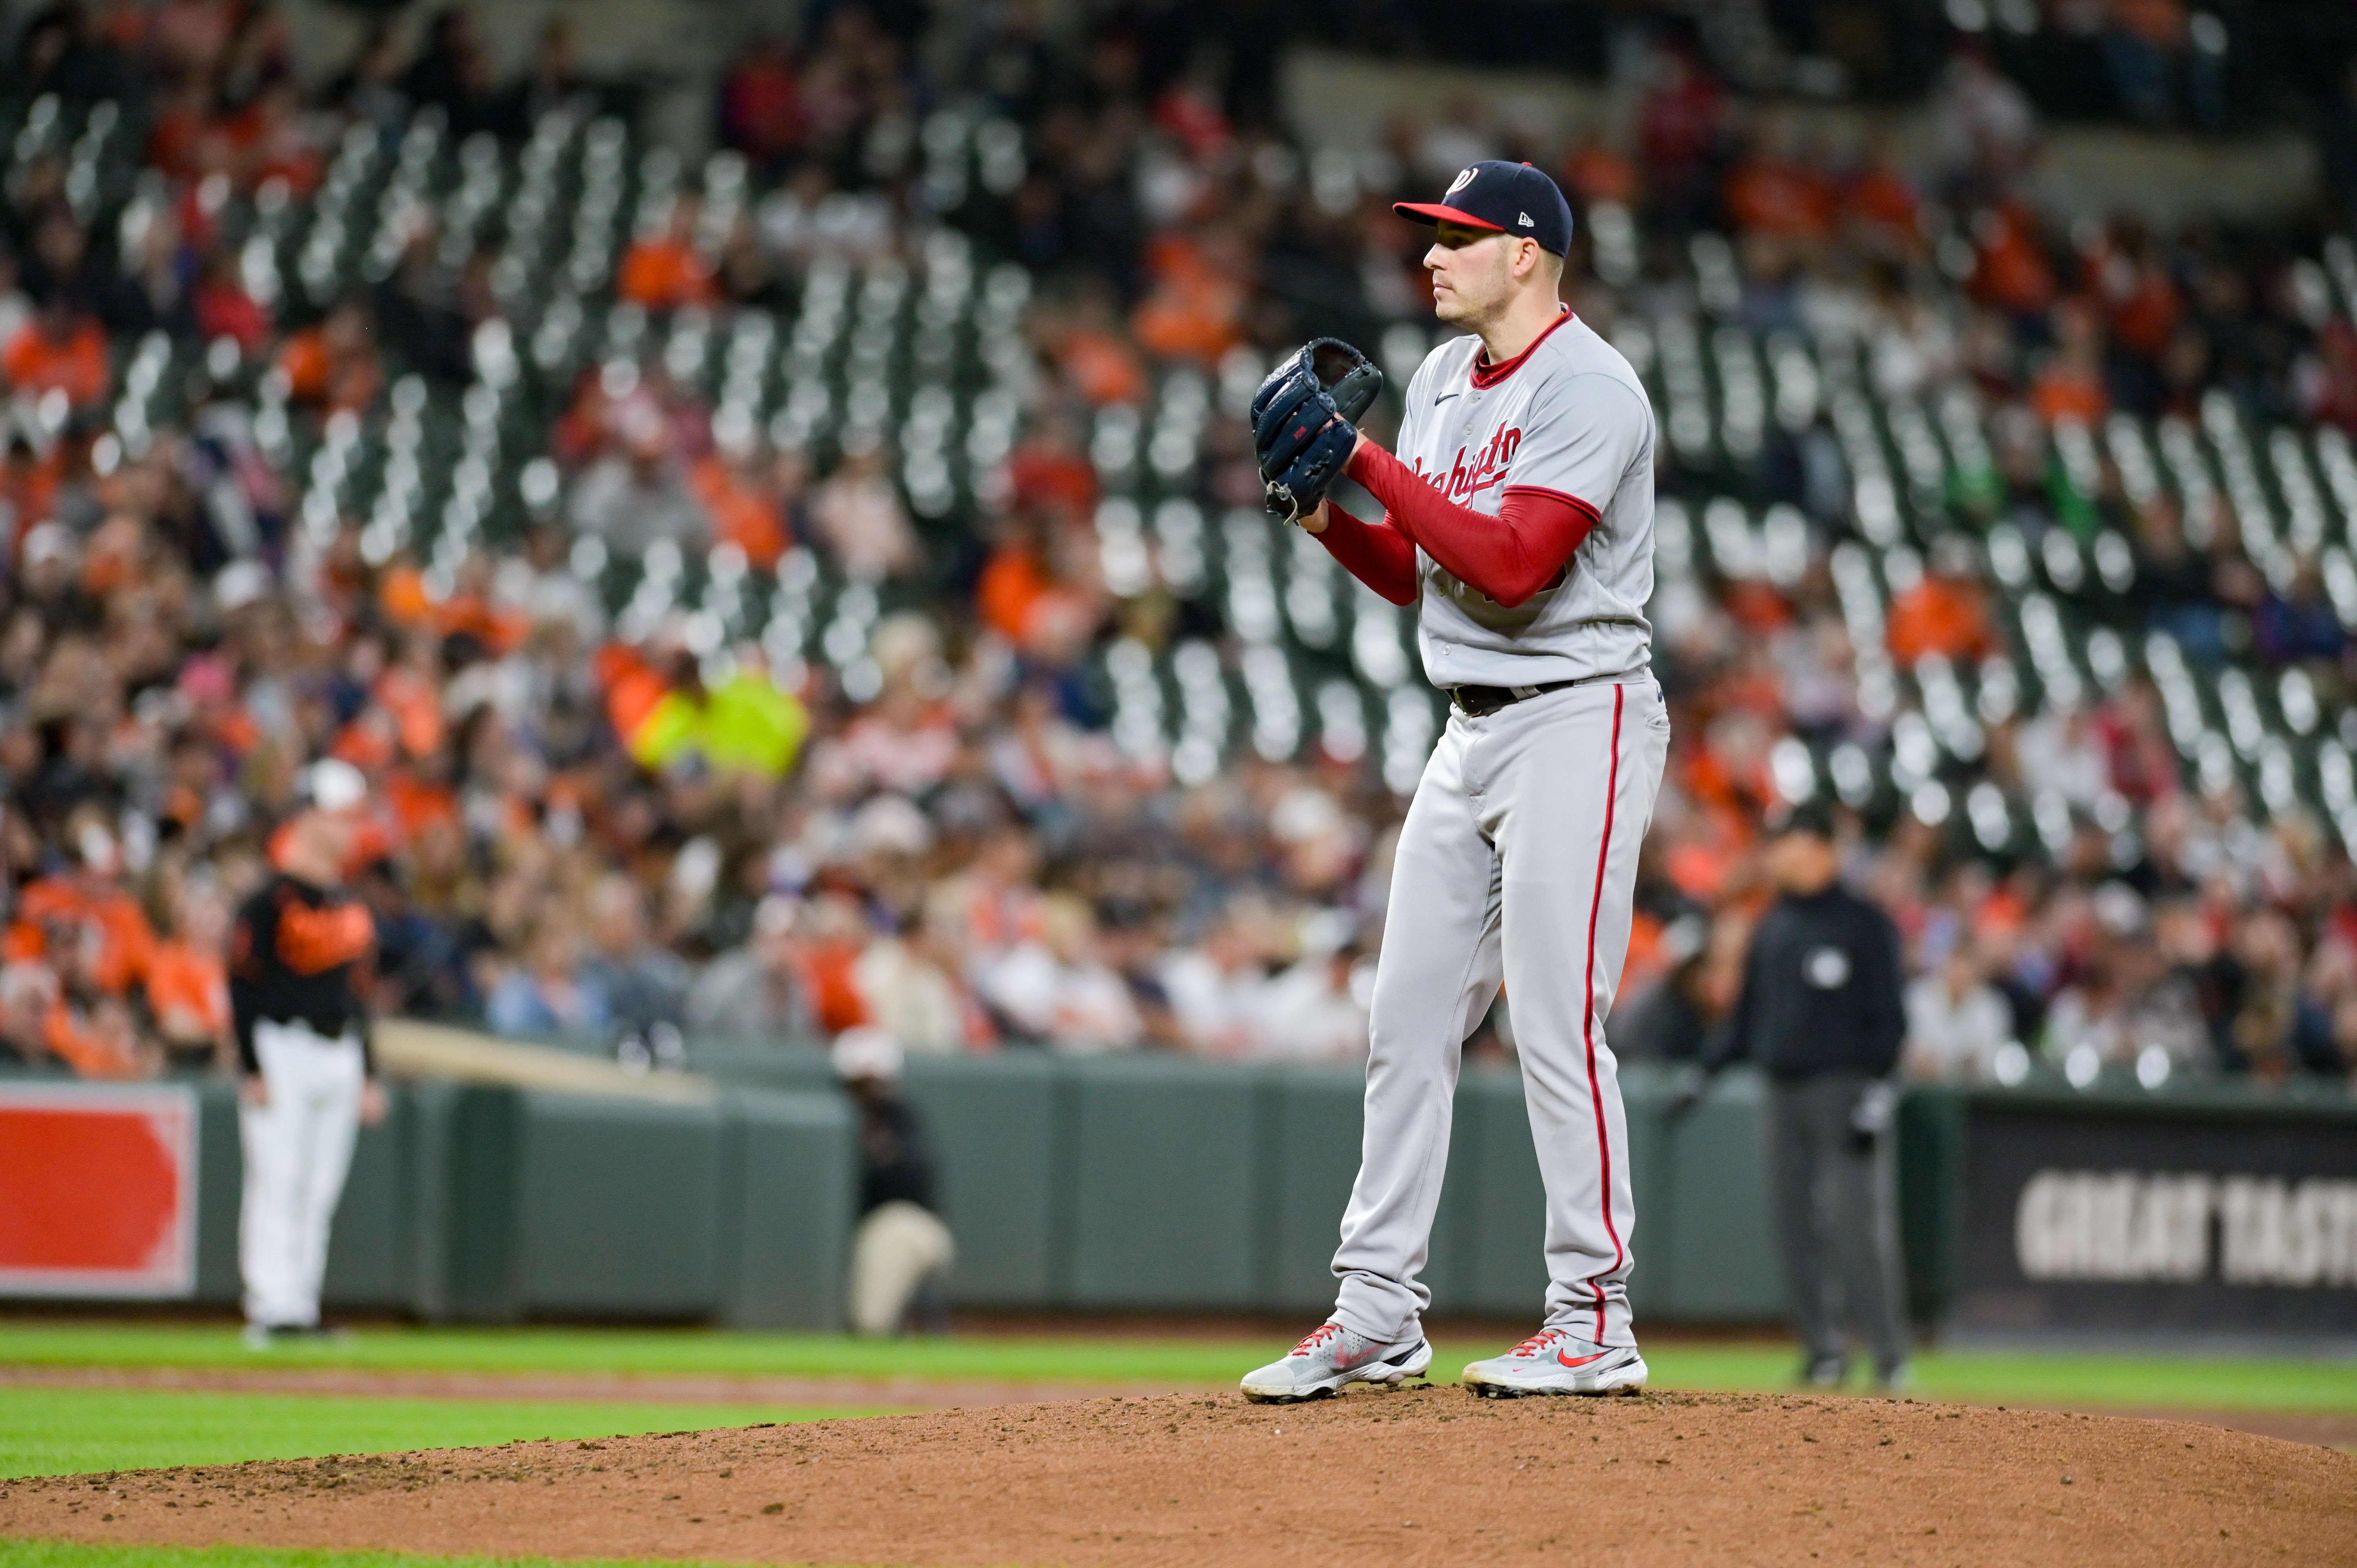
[(1464, 178)]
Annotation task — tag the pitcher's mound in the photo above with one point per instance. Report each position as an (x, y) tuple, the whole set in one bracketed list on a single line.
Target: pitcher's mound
[(1427, 1475)]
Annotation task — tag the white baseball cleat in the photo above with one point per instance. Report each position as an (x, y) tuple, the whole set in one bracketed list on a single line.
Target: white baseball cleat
[(1331, 1357), (1558, 1362)]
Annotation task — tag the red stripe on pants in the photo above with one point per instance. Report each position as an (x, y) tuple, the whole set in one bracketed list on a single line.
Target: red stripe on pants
[(1594, 1097)]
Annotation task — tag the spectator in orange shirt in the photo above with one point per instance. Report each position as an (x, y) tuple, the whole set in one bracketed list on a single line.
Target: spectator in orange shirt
[(99, 1041), (188, 985), (334, 365), (1880, 208), (1772, 193), (2070, 386), (2011, 271), (2146, 304), (1601, 171), (745, 510), (61, 348), (663, 271), (1201, 286), (1029, 595), (1088, 345), (1051, 470), (1944, 613), (88, 923)]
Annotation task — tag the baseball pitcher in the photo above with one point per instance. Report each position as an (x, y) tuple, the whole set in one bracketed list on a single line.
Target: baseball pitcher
[(1518, 517)]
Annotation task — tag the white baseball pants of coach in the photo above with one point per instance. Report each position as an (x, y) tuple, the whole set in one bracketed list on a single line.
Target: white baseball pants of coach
[(1518, 862), (298, 1148)]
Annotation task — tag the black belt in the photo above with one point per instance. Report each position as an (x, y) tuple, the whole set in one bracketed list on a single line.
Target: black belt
[(1480, 702)]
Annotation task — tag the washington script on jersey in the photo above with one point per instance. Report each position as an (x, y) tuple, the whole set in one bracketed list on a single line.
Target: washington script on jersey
[(1488, 469)]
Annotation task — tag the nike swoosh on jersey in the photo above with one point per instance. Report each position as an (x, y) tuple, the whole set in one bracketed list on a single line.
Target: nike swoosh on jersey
[(1444, 397)]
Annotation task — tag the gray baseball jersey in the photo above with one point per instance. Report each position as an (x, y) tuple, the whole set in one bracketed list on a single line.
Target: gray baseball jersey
[(1517, 863), (1568, 417)]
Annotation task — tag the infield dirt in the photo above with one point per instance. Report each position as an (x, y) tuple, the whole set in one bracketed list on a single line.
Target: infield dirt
[(1427, 1475)]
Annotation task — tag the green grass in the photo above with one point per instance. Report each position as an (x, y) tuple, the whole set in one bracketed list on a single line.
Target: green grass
[(64, 1429), (51, 1432), (1990, 1377), (1178, 1362), (75, 1554)]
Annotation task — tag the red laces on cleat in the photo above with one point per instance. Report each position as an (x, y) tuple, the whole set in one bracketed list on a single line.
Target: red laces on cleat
[(1317, 1336), (1539, 1343)]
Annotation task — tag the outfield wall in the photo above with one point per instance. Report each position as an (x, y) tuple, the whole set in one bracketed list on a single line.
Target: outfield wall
[(1163, 1184)]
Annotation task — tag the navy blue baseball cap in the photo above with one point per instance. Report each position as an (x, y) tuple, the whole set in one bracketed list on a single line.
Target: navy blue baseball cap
[(1512, 198)]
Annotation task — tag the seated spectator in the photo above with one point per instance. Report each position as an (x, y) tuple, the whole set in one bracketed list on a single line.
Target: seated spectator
[(665, 271), (1956, 1022), (1195, 306), (1214, 987), (902, 1248), (188, 983), (1057, 989), (334, 365), (856, 514), (642, 983), (1671, 1019), (29, 990), (62, 348), (638, 493), (1944, 613), (758, 991), (741, 496), (224, 309), (83, 920), (1038, 590), (912, 985), (1316, 1009), (1773, 193), (760, 103), (550, 991), (2070, 386)]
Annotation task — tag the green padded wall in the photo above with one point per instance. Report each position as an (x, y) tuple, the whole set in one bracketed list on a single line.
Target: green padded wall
[(1162, 1193), (1310, 1154), (789, 1185), (371, 1249), (620, 1208), (220, 1168), (994, 1123), (1722, 1262)]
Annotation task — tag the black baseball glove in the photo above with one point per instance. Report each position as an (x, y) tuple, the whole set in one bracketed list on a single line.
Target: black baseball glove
[(1305, 422)]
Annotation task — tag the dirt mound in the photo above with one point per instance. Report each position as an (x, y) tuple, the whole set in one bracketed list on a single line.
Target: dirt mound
[(1423, 1476)]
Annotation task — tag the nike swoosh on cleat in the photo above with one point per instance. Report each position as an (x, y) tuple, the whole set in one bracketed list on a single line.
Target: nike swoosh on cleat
[(1583, 1360)]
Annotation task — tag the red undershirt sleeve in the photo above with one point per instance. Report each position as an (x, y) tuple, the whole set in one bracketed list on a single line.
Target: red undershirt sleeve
[(1509, 557), (1374, 553)]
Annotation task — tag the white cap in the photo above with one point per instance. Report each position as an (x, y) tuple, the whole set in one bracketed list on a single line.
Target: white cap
[(866, 1052), (332, 784)]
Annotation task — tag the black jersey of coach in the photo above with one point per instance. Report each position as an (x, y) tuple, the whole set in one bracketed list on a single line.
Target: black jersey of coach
[(1821, 990), (298, 954)]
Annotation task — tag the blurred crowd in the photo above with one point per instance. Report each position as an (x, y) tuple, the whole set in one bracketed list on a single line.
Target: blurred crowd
[(638, 842)]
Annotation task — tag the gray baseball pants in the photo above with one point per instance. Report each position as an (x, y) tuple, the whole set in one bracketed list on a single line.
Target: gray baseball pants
[(1517, 863), (1838, 1217)]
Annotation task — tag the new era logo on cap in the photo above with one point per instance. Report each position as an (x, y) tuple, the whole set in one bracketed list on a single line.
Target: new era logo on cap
[(1504, 197)]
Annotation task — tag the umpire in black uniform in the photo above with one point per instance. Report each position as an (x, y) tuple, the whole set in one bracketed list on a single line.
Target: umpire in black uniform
[(1822, 1015)]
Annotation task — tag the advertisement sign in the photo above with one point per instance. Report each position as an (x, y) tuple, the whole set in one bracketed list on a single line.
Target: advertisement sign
[(98, 1191), (2204, 1221)]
